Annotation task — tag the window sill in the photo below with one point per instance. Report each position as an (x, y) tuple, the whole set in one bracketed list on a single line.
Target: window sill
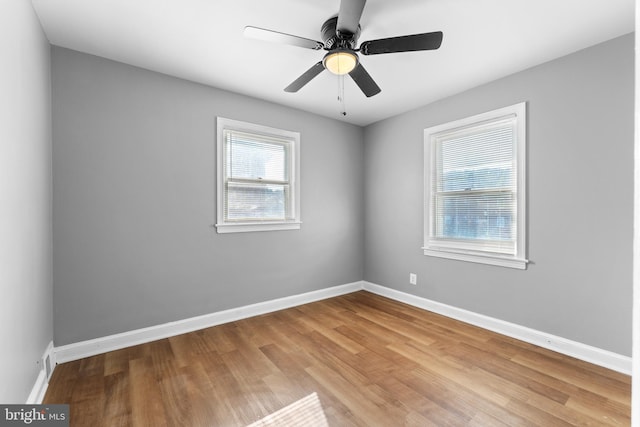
[(501, 261), (256, 226)]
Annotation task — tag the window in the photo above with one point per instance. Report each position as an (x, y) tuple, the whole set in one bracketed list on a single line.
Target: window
[(475, 188), (258, 178)]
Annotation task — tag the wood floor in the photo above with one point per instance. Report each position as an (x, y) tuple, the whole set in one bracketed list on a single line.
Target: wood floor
[(370, 362)]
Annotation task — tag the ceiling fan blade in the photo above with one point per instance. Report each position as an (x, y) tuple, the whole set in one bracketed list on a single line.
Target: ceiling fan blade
[(277, 37), (425, 41), (349, 16), (364, 81), (305, 78)]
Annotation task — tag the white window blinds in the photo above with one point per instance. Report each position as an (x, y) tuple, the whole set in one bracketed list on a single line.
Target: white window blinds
[(257, 177), (474, 194)]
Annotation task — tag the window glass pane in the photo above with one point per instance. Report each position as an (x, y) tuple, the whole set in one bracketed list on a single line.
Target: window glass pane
[(256, 157), (484, 216), (251, 201)]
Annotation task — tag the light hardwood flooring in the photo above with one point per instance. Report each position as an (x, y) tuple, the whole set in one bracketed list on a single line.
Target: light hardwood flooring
[(369, 360)]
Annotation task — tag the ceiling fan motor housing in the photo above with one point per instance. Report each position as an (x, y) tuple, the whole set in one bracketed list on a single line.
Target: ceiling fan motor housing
[(333, 40)]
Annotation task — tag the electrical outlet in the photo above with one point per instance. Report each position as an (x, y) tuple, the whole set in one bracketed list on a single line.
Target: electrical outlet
[(413, 278)]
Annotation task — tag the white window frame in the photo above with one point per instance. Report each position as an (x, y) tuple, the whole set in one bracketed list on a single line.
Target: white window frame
[(293, 166), (457, 250)]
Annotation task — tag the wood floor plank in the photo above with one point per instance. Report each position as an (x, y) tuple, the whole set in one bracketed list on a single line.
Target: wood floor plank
[(249, 405), (492, 389), (532, 382), (89, 394), (147, 406), (603, 409), (318, 324), (371, 410), (368, 360), (585, 379), (225, 394), (117, 406)]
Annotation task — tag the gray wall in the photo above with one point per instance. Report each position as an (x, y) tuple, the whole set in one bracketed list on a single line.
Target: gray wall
[(134, 202), (25, 200), (580, 146)]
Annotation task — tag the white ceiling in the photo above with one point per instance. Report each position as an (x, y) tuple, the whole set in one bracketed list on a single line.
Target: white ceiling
[(202, 41)]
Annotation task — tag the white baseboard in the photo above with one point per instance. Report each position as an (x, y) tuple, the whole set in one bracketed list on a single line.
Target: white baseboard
[(75, 351), (575, 349), (47, 365)]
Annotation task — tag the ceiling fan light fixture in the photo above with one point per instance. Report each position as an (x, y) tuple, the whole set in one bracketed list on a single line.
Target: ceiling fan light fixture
[(340, 62)]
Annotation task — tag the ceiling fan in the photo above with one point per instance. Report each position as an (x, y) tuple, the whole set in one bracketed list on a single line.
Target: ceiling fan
[(340, 35)]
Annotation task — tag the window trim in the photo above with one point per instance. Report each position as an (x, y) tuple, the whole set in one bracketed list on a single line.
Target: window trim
[(223, 226), (519, 260)]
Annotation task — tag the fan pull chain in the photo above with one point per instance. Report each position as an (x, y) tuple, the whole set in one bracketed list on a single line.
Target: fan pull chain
[(343, 109)]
